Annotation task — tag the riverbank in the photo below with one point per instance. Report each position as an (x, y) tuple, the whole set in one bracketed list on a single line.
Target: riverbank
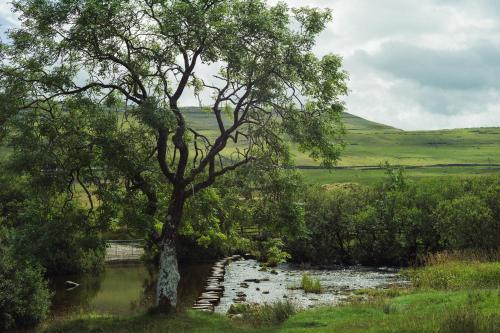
[(431, 311), (451, 307)]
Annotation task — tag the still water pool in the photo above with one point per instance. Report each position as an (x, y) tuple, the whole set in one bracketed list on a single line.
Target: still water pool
[(122, 290)]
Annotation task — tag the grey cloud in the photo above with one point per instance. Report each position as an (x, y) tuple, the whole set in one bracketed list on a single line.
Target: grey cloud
[(475, 67)]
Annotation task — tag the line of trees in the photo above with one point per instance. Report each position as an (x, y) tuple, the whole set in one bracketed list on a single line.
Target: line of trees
[(399, 221)]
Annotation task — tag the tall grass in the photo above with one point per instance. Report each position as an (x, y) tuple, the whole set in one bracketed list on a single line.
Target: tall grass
[(455, 275), (469, 255), (264, 314), (310, 284), (469, 320)]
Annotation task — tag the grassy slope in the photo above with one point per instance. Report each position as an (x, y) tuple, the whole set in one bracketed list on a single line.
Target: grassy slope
[(370, 144), (419, 312)]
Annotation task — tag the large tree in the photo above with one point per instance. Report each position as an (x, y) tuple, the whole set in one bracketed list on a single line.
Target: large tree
[(267, 85)]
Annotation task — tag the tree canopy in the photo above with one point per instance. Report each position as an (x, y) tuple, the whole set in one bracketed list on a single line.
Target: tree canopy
[(83, 62)]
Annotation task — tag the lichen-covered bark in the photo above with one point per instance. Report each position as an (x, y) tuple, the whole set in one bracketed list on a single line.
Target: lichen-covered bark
[(168, 279)]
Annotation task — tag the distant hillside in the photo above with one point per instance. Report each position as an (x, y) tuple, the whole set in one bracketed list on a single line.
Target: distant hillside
[(370, 144), (206, 121), (355, 123), (425, 153)]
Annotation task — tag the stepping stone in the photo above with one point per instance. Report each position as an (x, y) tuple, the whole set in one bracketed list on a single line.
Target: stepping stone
[(239, 300), (203, 302), (203, 307), (212, 300), (200, 308)]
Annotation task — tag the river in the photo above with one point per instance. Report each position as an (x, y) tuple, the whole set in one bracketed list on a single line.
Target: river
[(129, 289)]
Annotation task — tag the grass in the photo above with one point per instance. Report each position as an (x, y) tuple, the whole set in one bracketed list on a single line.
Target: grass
[(467, 319), (429, 311), (310, 284), (457, 275), (263, 315), (371, 177), (183, 322), (423, 311)]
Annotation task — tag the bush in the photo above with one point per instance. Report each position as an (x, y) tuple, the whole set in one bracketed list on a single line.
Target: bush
[(62, 241), (274, 253), (310, 284), (265, 314), (467, 222), (24, 295), (398, 222), (329, 215)]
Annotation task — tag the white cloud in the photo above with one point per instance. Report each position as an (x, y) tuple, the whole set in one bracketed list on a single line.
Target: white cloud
[(418, 64), (423, 64)]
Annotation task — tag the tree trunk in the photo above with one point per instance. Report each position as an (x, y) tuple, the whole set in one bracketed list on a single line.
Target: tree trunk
[(168, 277)]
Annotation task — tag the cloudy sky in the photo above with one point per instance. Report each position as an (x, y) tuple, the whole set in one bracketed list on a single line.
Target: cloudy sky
[(414, 64)]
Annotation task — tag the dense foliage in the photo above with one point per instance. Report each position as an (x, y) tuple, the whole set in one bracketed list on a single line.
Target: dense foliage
[(399, 221), (48, 229), (24, 295)]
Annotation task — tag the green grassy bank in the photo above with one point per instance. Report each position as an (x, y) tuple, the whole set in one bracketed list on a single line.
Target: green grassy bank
[(465, 299)]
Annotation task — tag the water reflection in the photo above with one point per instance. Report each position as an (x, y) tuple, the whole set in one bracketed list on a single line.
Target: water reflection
[(122, 290)]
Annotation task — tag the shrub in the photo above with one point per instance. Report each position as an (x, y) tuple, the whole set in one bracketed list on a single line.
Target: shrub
[(467, 222), (310, 284), (24, 295), (265, 314), (275, 254), (329, 215), (62, 241), (398, 222)]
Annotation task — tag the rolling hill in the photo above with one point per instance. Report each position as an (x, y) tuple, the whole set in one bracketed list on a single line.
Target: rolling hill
[(459, 152)]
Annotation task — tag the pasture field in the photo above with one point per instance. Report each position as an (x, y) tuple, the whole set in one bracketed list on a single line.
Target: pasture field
[(370, 144), (440, 153), (457, 152), (372, 176)]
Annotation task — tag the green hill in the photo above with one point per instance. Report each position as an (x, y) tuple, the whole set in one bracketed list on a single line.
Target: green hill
[(457, 152), (355, 123)]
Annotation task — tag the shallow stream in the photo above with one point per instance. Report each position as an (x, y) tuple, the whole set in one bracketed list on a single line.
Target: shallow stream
[(129, 289), (246, 280)]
